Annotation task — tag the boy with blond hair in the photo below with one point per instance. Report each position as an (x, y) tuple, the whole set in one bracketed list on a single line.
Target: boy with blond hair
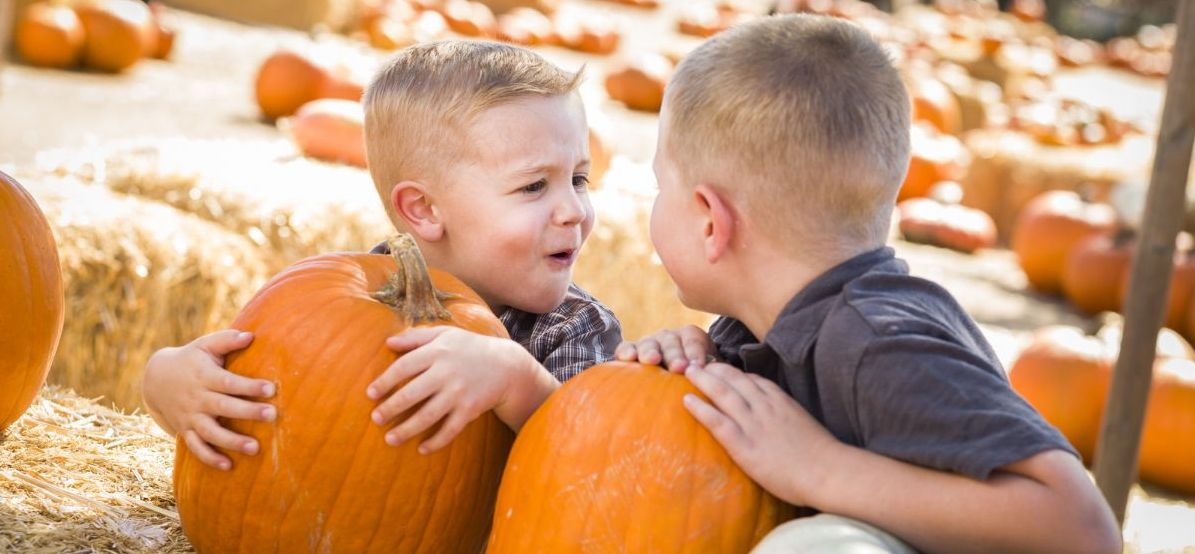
[(864, 392), (480, 152)]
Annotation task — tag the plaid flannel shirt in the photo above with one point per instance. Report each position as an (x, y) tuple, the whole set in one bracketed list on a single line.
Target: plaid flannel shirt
[(577, 334)]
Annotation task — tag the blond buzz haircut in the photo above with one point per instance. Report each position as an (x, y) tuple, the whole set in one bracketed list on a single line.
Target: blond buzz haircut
[(417, 106), (804, 119)]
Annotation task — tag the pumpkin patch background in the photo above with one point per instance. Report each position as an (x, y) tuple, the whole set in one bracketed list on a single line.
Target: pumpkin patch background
[(179, 163)]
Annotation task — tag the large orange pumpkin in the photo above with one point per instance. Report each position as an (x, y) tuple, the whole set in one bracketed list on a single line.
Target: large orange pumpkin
[(1066, 374), (331, 129), (1048, 228), (613, 462), (325, 480), (1095, 269), (31, 293), (1167, 455), (49, 35), (118, 33)]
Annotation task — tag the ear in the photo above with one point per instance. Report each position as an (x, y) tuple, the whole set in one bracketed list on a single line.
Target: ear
[(719, 227), (413, 205)]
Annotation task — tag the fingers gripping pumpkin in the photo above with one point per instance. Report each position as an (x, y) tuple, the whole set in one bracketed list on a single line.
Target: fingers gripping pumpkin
[(325, 480)]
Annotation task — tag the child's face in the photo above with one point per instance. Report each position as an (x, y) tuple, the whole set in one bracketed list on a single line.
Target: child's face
[(676, 224), (516, 209)]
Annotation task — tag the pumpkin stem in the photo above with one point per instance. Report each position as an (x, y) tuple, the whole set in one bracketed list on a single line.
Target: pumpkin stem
[(410, 290)]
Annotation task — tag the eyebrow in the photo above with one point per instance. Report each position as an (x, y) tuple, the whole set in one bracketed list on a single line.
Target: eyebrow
[(544, 168)]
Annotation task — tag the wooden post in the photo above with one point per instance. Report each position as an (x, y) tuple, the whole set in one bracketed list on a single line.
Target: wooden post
[(1149, 280)]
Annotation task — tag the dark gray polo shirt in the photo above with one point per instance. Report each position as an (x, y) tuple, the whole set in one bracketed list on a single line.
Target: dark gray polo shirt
[(891, 363)]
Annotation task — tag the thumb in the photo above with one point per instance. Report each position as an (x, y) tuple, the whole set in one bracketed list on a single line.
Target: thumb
[(223, 342), (414, 338)]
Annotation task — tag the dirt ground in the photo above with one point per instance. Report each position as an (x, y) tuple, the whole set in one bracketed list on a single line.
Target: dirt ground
[(205, 92)]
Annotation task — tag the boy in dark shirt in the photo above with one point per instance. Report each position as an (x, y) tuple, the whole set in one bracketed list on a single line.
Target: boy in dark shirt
[(872, 395)]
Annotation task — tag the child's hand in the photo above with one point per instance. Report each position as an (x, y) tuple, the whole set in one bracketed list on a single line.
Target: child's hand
[(771, 437), (460, 375), (187, 389), (676, 349)]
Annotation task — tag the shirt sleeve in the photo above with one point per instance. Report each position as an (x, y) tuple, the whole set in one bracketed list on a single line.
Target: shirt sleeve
[(937, 404), (583, 338)]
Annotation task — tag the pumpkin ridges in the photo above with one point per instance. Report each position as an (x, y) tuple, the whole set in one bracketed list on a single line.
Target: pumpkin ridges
[(270, 488), (29, 335), (648, 464)]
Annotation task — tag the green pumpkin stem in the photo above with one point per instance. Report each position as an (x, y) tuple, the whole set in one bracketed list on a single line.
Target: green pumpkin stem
[(410, 290)]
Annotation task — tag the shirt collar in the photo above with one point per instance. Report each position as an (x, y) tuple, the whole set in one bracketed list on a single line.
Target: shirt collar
[(801, 318)]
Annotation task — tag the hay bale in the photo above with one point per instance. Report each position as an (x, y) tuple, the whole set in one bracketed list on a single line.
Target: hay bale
[(76, 476), (618, 264), (1009, 168), (263, 190), (139, 275)]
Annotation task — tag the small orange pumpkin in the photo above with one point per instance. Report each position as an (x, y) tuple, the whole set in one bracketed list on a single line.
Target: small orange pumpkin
[(640, 83), (288, 79), (1095, 270), (49, 35), (325, 480), (330, 129), (525, 26), (472, 19), (1178, 300), (929, 221), (617, 464), (32, 295), (1048, 227), (117, 33), (935, 157), (586, 31), (933, 103)]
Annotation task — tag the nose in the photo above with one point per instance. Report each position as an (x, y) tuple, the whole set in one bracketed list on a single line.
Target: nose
[(570, 208)]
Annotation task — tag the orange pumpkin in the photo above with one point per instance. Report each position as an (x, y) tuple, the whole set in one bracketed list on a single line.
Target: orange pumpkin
[(31, 293), (951, 226), (1178, 300), (599, 159), (49, 35), (586, 31), (288, 79), (1048, 227), (1066, 375), (933, 103), (330, 129), (640, 83), (325, 480), (472, 19), (1095, 270), (935, 157), (525, 26), (1167, 455), (118, 33), (617, 464)]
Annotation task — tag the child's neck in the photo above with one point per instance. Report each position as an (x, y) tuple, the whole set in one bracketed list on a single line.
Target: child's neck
[(774, 281)]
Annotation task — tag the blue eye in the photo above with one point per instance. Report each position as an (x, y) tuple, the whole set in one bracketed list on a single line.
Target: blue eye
[(581, 181), (536, 186)]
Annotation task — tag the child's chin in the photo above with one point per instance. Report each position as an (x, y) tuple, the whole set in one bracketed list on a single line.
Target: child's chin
[(543, 303)]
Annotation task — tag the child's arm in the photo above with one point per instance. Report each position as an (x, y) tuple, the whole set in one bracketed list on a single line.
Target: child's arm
[(1044, 503), (676, 349), (187, 388), (461, 375)]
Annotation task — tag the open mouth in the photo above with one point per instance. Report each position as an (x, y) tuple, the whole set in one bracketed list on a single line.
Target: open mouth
[(563, 256)]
